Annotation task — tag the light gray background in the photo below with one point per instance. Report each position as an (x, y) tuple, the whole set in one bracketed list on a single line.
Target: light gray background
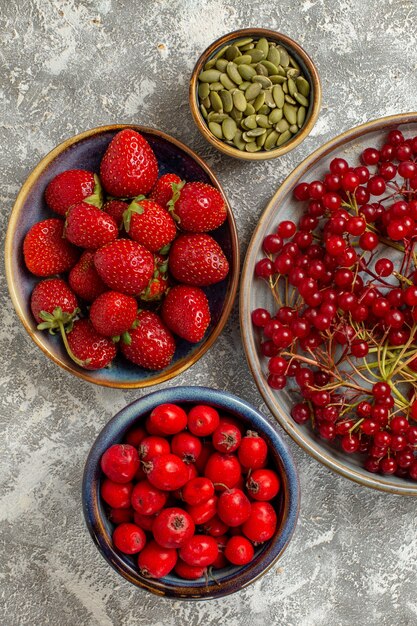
[(71, 65)]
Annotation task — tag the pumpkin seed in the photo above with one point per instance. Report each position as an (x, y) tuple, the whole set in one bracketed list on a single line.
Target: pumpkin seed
[(259, 101), (206, 102), (252, 91), (226, 82), (303, 86), (277, 79), (301, 99), (289, 99), (229, 128), (301, 115), (264, 110), (252, 147), (210, 63), (216, 86), (250, 122), (262, 121), (291, 86), (269, 99), (278, 95), (250, 110), (261, 69), (271, 140), (263, 81), (213, 116), (284, 56), (261, 140), (238, 141), (221, 52), (227, 100), (239, 100), (285, 87), (256, 55), (294, 63), (281, 71), (293, 129), (216, 129), (284, 138), (216, 101), (290, 113), (221, 64), (246, 138), (209, 76), (275, 116), (282, 126), (274, 56), (256, 132), (243, 86), (236, 115), (243, 41), (244, 59), (232, 52), (234, 74), (292, 73), (270, 67), (246, 71), (263, 46), (203, 111), (203, 90), (246, 47)]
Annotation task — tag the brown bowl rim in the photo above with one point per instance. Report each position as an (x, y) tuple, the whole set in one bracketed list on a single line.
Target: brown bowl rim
[(182, 364), (299, 137)]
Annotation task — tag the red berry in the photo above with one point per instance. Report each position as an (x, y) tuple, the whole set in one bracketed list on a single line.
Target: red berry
[(120, 462), (239, 550), (168, 418), (186, 312), (164, 188), (154, 561), (186, 446), (49, 295), (45, 250), (70, 187), (204, 511), (84, 279), (147, 499), (198, 490), (129, 538), (203, 420), (200, 550), (199, 207), (152, 345), (125, 266), (87, 226), (253, 451), (149, 224), (173, 527), (263, 484), (233, 507), (113, 313), (167, 472), (261, 524), (189, 572), (223, 470), (89, 349), (116, 495), (226, 437)]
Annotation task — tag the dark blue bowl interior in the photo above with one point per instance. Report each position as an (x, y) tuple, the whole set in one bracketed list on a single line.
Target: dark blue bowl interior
[(229, 579), (87, 154)]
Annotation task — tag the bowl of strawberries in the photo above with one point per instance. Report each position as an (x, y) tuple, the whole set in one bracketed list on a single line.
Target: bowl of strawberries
[(122, 256), (190, 493)]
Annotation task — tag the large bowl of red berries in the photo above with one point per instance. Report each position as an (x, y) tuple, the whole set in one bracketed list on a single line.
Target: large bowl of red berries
[(190, 493), (329, 304), (122, 256)]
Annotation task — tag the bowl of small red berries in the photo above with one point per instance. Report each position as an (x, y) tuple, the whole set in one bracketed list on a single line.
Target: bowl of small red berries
[(122, 256), (329, 304), (190, 493)]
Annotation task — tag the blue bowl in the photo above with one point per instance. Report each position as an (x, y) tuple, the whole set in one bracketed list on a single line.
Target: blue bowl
[(85, 151), (229, 579)]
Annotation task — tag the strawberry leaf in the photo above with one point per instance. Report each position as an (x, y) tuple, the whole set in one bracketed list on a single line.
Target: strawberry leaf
[(96, 198), (176, 188), (134, 207)]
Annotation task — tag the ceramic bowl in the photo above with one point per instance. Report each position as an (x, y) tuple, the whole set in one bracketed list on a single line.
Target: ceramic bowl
[(229, 579), (253, 295), (85, 151), (309, 71)]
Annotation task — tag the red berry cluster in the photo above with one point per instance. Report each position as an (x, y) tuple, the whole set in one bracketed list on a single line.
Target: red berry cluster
[(188, 492), (343, 335), (135, 263)]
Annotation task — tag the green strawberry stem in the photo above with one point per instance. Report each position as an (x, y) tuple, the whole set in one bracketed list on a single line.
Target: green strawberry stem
[(176, 188), (62, 322), (134, 207), (68, 349), (96, 198)]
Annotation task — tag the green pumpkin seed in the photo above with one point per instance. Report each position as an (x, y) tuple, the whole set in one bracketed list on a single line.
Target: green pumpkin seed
[(243, 86), (246, 138), (216, 101), (269, 99), (262, 121), (274, 56), (285, 87), (206, 102), (209, 76), (284, 138), (294, 63), (210, 63), (226, 82), (290, 113), (250, 122), (216, 86), (263, 81), (261, 69), (252, 147), (221, 64), (281, 71), (238, 141), (284, 56), (252, 91), (221, 52), (271, 140), (272, 69), (227, 100), (289, 99), (278, 95), (236, 115), (263, 45), (243, 41), (203, 90), (244, 59), (277, 79), (301, 99), (246, 71), (303, 86), (275, 116), (282, 126), (293, 129), (292, 73), (256, 55), (259, 101), (213, 116), (234, 74), (291, 86), (246, 47), (232, 52), (264, 110), (261, 140), (216, 129), (229, 128), (250, 110), (203, 111), (239, 100), (256, 132), (301, 116)]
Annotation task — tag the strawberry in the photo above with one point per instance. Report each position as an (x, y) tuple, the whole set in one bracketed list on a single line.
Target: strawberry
[(149, 224), (45, 250), (116, 208), (152, 345), (129, 166), (198, 207), (53, 300), (186, 312), (125, 266), (197, 260), (72, 186), (113, 314), (89, 227), (87, 347), (163, 190), (158, 284), (84, 279)]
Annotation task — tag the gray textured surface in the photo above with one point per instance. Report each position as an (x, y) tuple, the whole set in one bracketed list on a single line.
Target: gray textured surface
[(71, 65)]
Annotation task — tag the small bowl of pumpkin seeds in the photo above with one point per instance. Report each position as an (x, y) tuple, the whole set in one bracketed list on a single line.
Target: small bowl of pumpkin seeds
[(255, 94)]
